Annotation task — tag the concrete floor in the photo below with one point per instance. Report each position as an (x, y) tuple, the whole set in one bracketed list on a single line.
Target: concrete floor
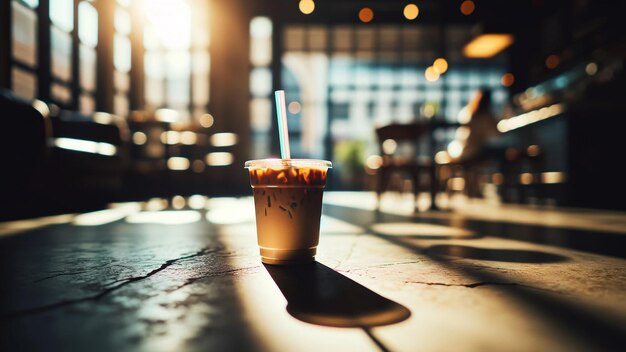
[(479, 277)]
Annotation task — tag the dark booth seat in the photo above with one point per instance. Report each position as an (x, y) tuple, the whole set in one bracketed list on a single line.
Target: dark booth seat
[(57, 161), (24, 131), (88, 159)]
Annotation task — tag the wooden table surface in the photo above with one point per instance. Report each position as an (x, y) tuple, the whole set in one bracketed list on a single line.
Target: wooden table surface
[(480, 278)]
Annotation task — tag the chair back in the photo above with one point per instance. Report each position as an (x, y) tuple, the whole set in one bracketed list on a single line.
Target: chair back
[(392, 138)]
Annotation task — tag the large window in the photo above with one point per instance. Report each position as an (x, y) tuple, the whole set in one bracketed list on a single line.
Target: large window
[(176, 60), (67, 73), (343, 80)]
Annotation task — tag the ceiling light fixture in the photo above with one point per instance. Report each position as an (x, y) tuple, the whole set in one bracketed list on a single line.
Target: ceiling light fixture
[(487, 45)]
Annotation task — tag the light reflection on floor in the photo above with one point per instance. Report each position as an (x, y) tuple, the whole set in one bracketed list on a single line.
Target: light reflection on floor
[(224, 211), (16, 227), (165, 217), (101, 217), (421, 230), (460, 206), (331, 224)]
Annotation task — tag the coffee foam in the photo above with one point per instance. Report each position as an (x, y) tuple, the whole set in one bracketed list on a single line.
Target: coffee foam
[(288, 177)]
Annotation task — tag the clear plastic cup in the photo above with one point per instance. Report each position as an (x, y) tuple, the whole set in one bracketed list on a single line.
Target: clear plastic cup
[(288, 205)]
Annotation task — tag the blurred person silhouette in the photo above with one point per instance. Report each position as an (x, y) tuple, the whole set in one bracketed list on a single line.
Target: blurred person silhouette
[(478, 137), (476, 140)]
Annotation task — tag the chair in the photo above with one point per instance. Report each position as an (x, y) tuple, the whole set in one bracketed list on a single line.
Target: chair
[(398, 145), (470, 171), (24, 150), (522, 174)]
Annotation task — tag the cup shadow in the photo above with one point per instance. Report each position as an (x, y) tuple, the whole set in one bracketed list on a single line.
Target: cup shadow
[(494, 254), (317, 294)]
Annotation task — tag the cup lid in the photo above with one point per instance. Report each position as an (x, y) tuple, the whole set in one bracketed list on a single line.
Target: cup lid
[(281, 163)]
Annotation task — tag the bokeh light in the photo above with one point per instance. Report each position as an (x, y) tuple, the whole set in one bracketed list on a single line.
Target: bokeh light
[(206, 120), (140, 138), (467, 7), (306, 6), (431, 74), (507, 79), (552, 61), (294, 107), (411, 11), (591, 68), (366, 15), (374, 162), (441, 65), (178, 202)]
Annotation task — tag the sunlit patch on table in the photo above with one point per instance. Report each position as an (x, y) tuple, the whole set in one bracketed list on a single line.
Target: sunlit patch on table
[(330, 224), (166, 217), (421, 230), (101, 217), (224, 211)]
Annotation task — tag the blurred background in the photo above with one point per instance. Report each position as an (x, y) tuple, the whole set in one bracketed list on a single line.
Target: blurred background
[(116, 100)]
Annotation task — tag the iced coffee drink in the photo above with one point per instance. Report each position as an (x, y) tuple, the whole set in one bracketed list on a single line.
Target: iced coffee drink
[(288, 203)]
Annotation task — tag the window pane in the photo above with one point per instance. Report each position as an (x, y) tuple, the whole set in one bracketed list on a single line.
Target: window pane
[(87, 68), (24, 45), (410, 77), (365, 39), (261, 27), (385, 77), (200, 89), (24, 83), (120, 105), (87, 104), (260, 82), (261, 41), (153, 64), (178, 64), (87, 24), (200, 20), (178, 91), (363, 73), (454, 78), (261, 51), (261, 114), (121, 53), (294, 38), (122, 21), (150, 38), (341, 71), (342, 38), (410, 37), (31, 3), (170, 22), (61, 93), (61, 47), (121, 81), (201, 62), (154, 91), (388, 37), (62, 14), (317, 39)]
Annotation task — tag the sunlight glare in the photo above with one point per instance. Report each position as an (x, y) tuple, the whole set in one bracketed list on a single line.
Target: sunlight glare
[(171, 22)]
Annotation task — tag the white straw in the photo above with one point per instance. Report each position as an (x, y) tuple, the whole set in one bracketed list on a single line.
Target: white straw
[(283, 131)]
